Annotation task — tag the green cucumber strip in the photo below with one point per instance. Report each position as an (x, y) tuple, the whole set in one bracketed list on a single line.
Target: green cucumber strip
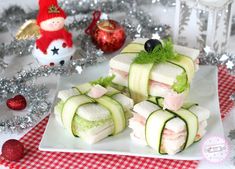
[(70, 107), (191, 121), (154, 127), (139, 81), (133, 47), (129, 52), (189, 105), (117, 112), (157, 100), (112, 91), (83, 88), (160, 101), (186, 63), (84, 125), (154, 100), (122, 89), (118, 87)]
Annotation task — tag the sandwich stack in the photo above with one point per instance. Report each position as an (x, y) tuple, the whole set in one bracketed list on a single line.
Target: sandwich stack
[(168, 132), (169, 79), (92, 111), (157, 75)]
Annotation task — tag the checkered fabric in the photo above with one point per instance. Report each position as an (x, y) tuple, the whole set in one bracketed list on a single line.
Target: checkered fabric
[(226, 89), (39, 159)]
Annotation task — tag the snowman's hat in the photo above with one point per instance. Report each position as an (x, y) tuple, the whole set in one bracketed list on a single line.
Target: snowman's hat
[(49, 9)]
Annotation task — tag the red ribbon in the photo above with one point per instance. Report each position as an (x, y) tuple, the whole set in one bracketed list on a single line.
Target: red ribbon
[(95, 19)]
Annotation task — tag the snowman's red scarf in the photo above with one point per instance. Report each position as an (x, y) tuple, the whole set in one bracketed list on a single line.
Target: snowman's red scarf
[(48, 36)]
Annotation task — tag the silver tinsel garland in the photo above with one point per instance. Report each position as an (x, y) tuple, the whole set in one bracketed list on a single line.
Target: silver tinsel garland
[(37, 105), (36, 95), (223, 59)]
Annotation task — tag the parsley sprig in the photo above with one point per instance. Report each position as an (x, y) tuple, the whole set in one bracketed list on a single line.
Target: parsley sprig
[(104, 81), (158, 55)]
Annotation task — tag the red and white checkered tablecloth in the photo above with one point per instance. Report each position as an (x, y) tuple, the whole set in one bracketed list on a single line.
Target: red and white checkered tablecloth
[(40, 159)]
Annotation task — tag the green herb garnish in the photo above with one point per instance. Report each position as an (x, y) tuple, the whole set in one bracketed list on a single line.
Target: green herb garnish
[(158, 55), (105, 82), (181, 83)]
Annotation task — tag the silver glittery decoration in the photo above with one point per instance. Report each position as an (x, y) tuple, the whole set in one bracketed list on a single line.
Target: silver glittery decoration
[(36, 96), (21, 48), (232, 97), (232, 134), (13, 17), (226, 59)]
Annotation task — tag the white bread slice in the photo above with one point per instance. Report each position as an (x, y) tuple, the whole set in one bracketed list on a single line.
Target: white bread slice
[(119, 79), (122, 62), (98, 129), (65, 94), (138, 128), (125, 101), (173, 146), (93, 112), (163, 72), (91, 138), (145, 108), (158, 90), (177, 125), (137, 140), (201, 112), (96, 112), (202, 128), (190, 52)]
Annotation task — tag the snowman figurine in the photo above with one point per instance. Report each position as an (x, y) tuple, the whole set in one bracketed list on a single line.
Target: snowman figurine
[(54, 45)]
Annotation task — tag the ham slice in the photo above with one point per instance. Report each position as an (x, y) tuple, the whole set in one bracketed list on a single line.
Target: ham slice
[(159, 84), (97, 91), (120, 72), (173, 101)]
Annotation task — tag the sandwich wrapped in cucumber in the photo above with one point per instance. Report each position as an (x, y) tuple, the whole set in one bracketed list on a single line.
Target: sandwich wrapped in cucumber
[(93, 111), (168, 132), (155, 68)]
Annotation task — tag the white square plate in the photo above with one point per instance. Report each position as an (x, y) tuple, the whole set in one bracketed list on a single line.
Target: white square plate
[(203, 91)]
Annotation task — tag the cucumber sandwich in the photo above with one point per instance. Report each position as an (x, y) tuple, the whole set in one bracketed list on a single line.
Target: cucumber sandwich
[(166, 131), (154, 68), (93, 111)]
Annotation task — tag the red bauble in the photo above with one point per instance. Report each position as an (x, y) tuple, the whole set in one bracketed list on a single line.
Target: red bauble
[(17, 103), (108, 35), (13, 150)]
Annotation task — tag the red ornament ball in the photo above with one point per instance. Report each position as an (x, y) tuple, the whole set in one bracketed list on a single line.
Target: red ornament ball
[(13, 150), (17, 103), (108, 35)]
